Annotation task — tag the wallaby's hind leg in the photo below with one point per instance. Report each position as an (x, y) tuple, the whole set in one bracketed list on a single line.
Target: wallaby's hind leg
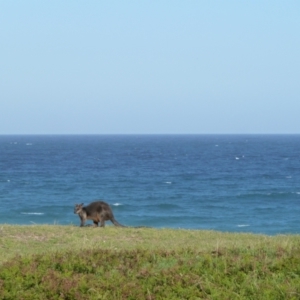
[(95, 223)]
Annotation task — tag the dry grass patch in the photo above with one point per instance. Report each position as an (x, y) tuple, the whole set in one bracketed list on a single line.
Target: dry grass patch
[(36, 239)]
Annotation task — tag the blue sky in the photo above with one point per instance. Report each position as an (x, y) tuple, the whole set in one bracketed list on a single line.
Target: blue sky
[(149, 67)]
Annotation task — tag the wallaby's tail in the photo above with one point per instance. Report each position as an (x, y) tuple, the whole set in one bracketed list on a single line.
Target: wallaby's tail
[(116, 223), (142, 227)]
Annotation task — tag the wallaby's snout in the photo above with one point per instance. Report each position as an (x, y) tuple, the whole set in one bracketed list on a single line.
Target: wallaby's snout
[(78, 208)]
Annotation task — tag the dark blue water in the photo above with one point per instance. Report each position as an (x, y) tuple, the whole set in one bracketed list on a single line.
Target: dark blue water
[(248, 183)]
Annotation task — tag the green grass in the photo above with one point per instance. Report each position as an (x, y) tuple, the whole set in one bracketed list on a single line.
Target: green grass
[(68, 262)]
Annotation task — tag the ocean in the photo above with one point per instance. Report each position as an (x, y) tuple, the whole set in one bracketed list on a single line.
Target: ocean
[(232, 183)]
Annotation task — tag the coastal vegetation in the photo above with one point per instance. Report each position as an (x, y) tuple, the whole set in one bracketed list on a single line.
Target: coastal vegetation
[(68, 262)]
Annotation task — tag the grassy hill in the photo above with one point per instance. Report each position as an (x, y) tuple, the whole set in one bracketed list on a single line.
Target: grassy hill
[(68, 262)]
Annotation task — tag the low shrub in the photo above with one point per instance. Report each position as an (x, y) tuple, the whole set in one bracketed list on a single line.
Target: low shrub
[(148, 274)]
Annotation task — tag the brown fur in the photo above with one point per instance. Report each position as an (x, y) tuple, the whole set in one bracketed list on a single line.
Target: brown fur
[(97, 211)]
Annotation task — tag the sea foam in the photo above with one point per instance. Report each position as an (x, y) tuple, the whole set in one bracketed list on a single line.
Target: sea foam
[(32, 213)]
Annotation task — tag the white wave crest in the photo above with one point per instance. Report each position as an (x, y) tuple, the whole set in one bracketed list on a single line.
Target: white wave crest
[(117, 204), (243, 225), (32, 213)]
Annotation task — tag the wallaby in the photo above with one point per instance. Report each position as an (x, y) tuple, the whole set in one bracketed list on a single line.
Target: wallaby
[(97, 211)]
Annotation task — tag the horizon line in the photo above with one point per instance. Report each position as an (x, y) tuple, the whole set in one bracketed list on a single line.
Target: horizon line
[(94, 134)]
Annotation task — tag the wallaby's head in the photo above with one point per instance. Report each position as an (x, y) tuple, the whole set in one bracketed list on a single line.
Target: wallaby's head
[(78, 208)]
